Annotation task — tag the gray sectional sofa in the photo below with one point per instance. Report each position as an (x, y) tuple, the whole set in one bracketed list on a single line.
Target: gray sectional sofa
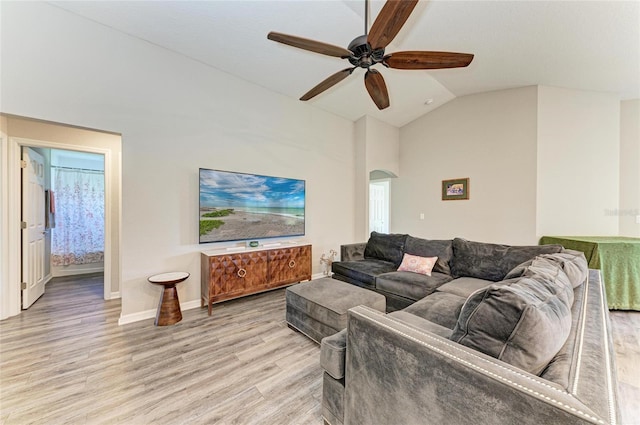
[(496, 335)]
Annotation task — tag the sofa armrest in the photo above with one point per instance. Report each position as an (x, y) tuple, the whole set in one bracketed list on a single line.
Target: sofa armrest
[(398, 373), (352, 252), (332, 354)]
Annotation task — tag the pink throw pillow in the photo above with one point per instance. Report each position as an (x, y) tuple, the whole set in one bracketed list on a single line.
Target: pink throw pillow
[(415, 264)]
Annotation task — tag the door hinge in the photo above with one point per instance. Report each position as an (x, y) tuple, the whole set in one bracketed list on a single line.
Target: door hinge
[(23, 163), (23, 224), (23, 285)]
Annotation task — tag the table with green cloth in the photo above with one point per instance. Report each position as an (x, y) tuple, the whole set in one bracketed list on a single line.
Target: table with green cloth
[(617, 257)]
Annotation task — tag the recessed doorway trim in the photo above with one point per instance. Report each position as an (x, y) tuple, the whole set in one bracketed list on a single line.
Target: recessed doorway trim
[(11, 288)]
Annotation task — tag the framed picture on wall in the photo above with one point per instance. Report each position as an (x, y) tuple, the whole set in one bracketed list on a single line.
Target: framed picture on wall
[(455, 189)]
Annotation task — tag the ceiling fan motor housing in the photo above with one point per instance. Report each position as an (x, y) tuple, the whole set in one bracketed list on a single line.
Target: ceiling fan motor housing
[(363, 55)]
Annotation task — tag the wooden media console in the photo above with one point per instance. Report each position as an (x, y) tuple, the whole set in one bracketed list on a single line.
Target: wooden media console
[(228, 274)]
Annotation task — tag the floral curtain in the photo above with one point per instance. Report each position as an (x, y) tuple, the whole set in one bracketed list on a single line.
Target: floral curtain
[(78, 235)]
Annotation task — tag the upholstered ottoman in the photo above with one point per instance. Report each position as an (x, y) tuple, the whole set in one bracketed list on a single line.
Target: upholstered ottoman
[(319, 308)]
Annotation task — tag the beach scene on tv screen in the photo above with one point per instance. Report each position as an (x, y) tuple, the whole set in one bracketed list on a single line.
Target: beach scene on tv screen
[(236, 206)]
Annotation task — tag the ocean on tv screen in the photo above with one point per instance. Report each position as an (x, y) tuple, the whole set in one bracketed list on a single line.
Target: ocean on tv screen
[(238, 206)]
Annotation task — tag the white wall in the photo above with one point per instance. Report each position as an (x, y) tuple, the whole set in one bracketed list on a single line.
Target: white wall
[(383, 146), (175, 115), (629, 168), (361, 182), (377, 148), (542, 161), (490, 138), (578, 162)]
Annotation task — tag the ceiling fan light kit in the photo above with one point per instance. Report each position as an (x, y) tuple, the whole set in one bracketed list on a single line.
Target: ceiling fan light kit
[(368, 50)]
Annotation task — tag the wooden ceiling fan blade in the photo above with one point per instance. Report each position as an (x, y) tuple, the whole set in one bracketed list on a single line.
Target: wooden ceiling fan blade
[(327, 83), (427, 60), (311, 45), (377, 88), (392, 17)]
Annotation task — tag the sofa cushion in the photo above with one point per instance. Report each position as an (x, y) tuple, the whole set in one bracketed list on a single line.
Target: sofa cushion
[(332, 354), (385, 247), (523, 322), (442, 308), (518, 271), (546, 267), (422, 324), (573, 263), (464, 286), (431, 248), (559, 369), (410, 285), (364, 271), (417, 264), (492, 261), (352, 251)]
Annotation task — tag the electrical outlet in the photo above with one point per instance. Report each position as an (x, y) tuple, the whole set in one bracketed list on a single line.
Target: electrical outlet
[(638, 219), (421, 216)]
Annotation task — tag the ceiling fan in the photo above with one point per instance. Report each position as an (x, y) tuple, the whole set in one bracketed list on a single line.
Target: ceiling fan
[(367, 50)]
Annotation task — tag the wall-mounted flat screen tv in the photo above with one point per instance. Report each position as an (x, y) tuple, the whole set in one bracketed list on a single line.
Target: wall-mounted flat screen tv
[(238, 206)]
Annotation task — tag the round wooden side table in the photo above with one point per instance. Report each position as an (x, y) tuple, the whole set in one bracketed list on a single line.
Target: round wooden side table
[(169, 306)]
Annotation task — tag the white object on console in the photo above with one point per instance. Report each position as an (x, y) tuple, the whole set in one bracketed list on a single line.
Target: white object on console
[(236, 248)]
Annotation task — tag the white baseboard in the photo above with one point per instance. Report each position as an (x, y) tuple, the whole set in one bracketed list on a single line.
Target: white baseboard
[(189, 305), (114, 295), (77, 271), (150, 314), (136, 317), (47, 278)]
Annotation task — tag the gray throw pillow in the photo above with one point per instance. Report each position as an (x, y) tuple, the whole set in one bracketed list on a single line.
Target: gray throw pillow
[(385, 247), (523, 322)]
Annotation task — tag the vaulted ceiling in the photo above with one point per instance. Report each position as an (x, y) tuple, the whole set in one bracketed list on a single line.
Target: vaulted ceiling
[(585, 45)]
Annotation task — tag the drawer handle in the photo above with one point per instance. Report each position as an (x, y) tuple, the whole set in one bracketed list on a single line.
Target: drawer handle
[(292, 264), (242, 273)]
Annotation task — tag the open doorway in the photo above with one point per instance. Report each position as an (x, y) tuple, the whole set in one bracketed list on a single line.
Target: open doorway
[(63, 212), (20, 132), (63, 216), (379, 200)]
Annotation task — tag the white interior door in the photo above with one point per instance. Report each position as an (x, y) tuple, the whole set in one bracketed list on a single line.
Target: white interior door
[(33, 232), (379, 207)]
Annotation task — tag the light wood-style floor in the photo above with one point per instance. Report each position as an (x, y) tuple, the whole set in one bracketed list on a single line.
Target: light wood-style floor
[(626, 340), (66, 360)]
